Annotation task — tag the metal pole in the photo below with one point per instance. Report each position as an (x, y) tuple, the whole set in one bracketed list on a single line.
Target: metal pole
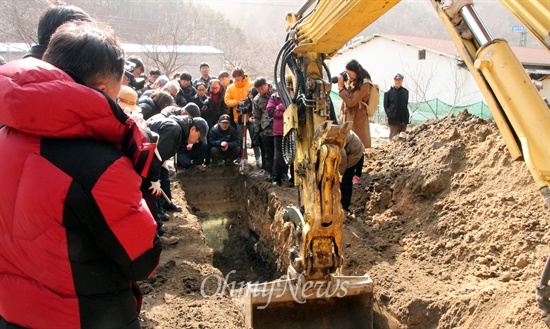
[(476, 25)]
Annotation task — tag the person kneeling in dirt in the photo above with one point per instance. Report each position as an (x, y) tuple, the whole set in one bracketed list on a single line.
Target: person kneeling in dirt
[(174, 131), (351, 154), (224, 142)]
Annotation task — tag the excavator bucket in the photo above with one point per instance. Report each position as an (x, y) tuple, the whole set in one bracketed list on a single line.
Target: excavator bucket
[(339, 302)]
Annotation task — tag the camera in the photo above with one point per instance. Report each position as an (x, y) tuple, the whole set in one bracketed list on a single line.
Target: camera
[(244, 109), (138, 83), (343, 74)]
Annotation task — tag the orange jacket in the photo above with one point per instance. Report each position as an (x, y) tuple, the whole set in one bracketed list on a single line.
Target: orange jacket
[(237, 91)]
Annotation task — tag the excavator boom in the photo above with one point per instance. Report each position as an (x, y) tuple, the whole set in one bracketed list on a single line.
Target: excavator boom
[(314, 143)]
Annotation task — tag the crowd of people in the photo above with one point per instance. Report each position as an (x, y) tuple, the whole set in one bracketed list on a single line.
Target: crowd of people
[(85, 181), (233, 107)]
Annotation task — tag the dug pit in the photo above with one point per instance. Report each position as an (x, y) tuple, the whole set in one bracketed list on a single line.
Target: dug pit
[(241, 217)]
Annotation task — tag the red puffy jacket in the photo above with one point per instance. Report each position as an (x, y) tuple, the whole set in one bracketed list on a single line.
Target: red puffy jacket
[(74, 231)]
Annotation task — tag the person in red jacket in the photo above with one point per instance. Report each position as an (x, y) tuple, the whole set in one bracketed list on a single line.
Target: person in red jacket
[(74, 230)]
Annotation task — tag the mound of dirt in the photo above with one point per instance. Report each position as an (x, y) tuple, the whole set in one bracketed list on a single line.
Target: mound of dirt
[(451, 230)]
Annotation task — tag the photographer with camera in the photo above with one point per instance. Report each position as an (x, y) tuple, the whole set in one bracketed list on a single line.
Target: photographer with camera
[(133, 69), (354, 89)]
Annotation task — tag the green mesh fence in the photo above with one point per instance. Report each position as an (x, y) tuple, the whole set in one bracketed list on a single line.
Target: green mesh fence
[(420, 112)]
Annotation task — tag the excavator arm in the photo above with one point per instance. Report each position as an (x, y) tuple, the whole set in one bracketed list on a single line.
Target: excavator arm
[(519, 111), (313, 143)]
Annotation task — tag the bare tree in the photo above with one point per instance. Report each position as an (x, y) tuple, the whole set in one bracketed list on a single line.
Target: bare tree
[(164, 41), (419, 86), (19, 20), (162, 28), (459, 76)]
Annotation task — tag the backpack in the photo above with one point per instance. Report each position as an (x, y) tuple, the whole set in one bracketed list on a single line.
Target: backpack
[(372, 103)]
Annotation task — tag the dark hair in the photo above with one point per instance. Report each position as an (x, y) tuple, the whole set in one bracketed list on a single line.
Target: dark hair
[(259, 82), (54, 17), (361, 73), (223, 74), (253, 91), (186, 76), (204, 64), (155, 71), (200, 83), (87, 52), (136, 60), (215, 81), (162, 99), (192, 110), (237, 72)]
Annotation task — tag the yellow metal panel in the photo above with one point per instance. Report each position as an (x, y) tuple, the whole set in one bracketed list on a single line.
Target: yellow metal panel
[(534, 15), (333, 23), (467, 51), (525, 109)]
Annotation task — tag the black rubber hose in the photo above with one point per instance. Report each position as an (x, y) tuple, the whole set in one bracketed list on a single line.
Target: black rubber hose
[(279, 71), (278, 62)]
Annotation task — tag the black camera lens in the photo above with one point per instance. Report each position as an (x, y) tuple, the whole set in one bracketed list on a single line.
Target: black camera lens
[(343, 74)]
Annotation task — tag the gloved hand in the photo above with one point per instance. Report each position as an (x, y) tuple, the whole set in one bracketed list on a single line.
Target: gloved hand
[(224, 146), (257, 140), (155, 187)]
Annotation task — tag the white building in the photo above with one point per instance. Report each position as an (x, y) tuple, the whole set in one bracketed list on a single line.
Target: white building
[(188, 57), (432, 68)]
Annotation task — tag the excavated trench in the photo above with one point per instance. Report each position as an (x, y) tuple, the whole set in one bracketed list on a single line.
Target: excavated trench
[(218, 199), (241, 217)]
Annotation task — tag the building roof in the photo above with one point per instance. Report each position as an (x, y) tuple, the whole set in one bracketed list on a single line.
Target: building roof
[(527, 56), (128, 48), (183, 49)]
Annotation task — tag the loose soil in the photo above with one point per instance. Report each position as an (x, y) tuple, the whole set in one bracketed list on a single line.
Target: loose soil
[(452, 231)]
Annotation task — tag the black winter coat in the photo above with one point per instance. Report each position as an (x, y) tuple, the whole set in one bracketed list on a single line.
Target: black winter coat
[(172, 131), (216, 136), (148, 108), (188, 92), (396, 103), (180, 99), (208, 111)]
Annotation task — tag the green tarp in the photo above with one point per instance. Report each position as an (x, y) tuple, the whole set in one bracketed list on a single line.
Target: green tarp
[(420, 112)]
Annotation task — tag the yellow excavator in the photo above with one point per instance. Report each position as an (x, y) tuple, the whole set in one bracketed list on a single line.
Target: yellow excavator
[(313, 143)]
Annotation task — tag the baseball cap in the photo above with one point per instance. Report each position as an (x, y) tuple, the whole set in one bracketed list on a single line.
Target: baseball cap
[(224, 118), (398, 76), (202, 126)]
